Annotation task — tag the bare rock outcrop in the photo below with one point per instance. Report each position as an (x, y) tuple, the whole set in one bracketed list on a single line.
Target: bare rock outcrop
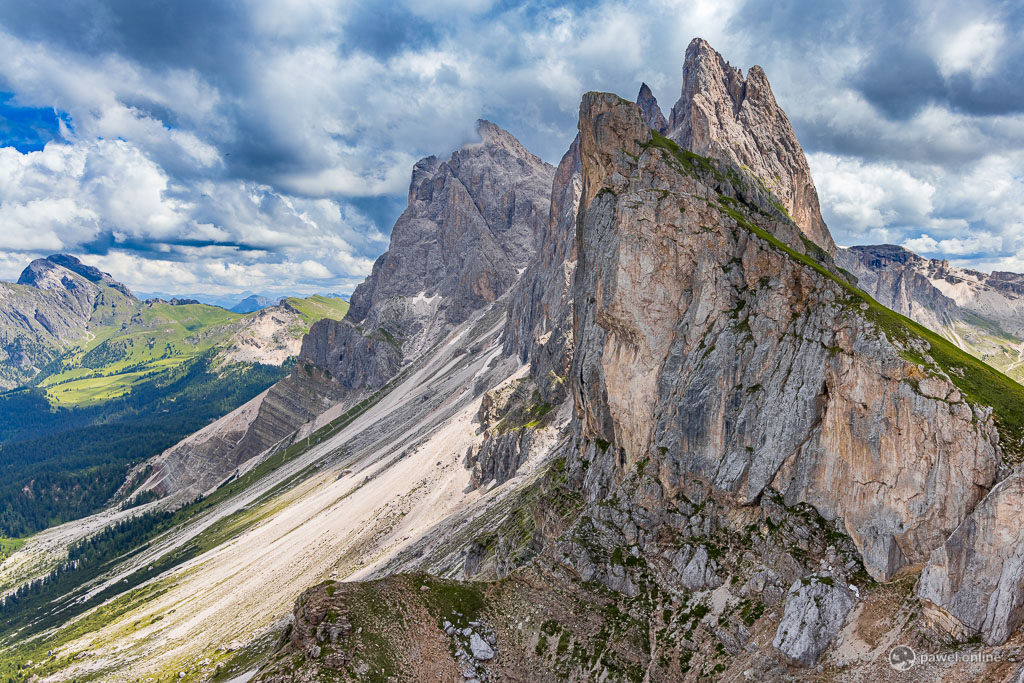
[(269, 335), (200, 462), (722, 114), (539, 323), (472, 226), (355, 358), (650, 110), (973, 584), (816, 610), (508, 416)]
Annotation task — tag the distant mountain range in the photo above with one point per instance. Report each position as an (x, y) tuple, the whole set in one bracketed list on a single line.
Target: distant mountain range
[(252, 303), (237, 303), (98, 379), (84, 337), (982, 313)]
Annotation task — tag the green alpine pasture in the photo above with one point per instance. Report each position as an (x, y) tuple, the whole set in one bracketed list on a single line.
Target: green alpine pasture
[(130, 347), (149, 374)]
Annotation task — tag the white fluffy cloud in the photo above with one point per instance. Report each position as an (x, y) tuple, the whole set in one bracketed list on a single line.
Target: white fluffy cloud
[(973, 214), (275, 139), (211, 234), (864, 200)]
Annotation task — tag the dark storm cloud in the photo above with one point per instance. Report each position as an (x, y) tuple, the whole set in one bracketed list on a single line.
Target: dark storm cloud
[(902, 80), (173, 248), (200, 34)]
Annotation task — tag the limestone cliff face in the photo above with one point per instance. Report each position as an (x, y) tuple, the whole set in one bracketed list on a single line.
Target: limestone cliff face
[(750, 430), (539, 326), (471, 227), (974, 583), (722, 114), (355, 358), (709, 345)]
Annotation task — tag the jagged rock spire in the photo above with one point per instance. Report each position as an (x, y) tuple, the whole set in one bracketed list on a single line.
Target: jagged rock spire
[(720, 113), (650, 109)]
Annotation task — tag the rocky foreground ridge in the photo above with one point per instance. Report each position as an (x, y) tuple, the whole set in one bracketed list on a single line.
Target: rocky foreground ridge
[(631, 418)]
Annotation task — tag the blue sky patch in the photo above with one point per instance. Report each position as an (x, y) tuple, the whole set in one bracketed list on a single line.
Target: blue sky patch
[(27, 129)]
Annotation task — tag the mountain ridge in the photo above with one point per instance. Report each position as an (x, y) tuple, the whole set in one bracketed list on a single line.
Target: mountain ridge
[(96, 360), (981, 313), (59, 304)]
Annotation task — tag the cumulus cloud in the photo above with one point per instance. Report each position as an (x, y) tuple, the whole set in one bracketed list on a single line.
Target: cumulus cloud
[(971, 213), (212, 144), (864, 200), (107, 196)]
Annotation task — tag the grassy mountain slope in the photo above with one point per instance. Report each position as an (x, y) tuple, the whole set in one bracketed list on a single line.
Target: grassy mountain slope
[(315, 307), (987, 341), (123, 380), (160, 337), (84, 338)]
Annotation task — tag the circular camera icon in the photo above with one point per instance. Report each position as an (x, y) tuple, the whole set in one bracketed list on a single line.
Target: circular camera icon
[(902, 658)]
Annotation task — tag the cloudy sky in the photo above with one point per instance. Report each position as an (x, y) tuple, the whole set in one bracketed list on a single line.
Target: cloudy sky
[(228, 145)]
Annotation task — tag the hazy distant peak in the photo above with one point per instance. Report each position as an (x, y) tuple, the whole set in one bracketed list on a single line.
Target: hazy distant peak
[(44, 273)]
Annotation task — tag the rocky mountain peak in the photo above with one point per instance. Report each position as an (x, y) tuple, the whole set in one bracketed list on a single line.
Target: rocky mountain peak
[(707, 73), (498, 138), (47, 273), (472, 226), (722, 114), (677, 294), (651, 111), (883, 255)]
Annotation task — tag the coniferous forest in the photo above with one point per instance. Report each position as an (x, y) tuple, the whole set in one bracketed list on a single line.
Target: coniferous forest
[(60, 463)]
